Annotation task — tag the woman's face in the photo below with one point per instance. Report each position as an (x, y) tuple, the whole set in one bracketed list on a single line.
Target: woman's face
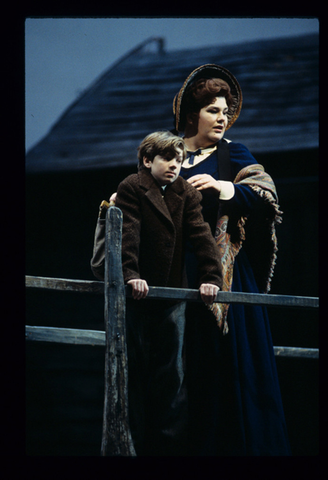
[(212, 122)]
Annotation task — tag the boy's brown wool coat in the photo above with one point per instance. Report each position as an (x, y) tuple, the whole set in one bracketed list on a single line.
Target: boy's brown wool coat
[(156, 225)]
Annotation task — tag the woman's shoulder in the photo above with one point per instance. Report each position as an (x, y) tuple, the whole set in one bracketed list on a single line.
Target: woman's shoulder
[(237, 147), (240, 153)]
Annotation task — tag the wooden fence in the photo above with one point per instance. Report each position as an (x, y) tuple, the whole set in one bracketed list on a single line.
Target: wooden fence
[(116, 435)]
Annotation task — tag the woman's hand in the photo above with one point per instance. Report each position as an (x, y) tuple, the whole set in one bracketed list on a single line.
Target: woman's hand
[(140, 288), (204, 181), (208, 292)]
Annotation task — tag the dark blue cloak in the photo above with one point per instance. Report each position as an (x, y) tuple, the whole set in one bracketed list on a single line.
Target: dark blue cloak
[(235, 405)]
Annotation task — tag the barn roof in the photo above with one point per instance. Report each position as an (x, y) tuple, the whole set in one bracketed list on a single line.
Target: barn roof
[(103, 127)]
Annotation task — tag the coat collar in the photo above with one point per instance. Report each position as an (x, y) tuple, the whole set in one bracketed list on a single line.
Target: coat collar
[(154, 193), (147, 181)]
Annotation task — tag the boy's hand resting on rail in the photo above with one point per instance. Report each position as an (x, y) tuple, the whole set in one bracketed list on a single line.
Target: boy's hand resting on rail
[(140, 288), (208, 292)]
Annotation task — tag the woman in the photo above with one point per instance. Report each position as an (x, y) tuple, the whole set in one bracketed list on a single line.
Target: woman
[(234, 395)]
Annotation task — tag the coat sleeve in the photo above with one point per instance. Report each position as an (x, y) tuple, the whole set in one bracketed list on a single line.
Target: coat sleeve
[(200, 235), (127, 200), (244, 201), (98, 258)]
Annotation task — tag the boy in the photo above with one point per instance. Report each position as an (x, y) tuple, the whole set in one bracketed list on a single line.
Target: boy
[(161, 211)]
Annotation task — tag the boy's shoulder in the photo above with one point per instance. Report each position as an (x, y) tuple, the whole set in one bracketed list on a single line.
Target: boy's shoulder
[(133, 178), (129, 181), (144, 180), (183, 185)]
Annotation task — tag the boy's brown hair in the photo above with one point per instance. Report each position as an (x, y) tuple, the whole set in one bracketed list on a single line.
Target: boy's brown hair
[(163, 143)]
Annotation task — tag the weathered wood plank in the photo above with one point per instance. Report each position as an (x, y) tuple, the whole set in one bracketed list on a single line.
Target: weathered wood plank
[(296, 352), (116, 436), (233, 297), (49, 283), (87, 286), (72, 336), (98, 338)]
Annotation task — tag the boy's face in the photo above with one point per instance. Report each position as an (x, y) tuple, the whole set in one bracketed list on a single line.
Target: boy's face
[(165, 169)]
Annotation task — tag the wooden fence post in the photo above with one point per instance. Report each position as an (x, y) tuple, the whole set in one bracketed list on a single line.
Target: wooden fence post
[(116, 436)]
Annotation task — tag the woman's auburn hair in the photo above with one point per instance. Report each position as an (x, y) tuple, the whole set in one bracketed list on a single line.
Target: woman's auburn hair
[(203, 92), (163, 143)]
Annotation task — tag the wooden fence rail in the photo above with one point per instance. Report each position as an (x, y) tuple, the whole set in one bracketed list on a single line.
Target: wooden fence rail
[(75, 336), (116, 436), (188, 294)]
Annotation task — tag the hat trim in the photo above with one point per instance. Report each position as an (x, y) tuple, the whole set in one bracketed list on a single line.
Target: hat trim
[(238, 98)]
